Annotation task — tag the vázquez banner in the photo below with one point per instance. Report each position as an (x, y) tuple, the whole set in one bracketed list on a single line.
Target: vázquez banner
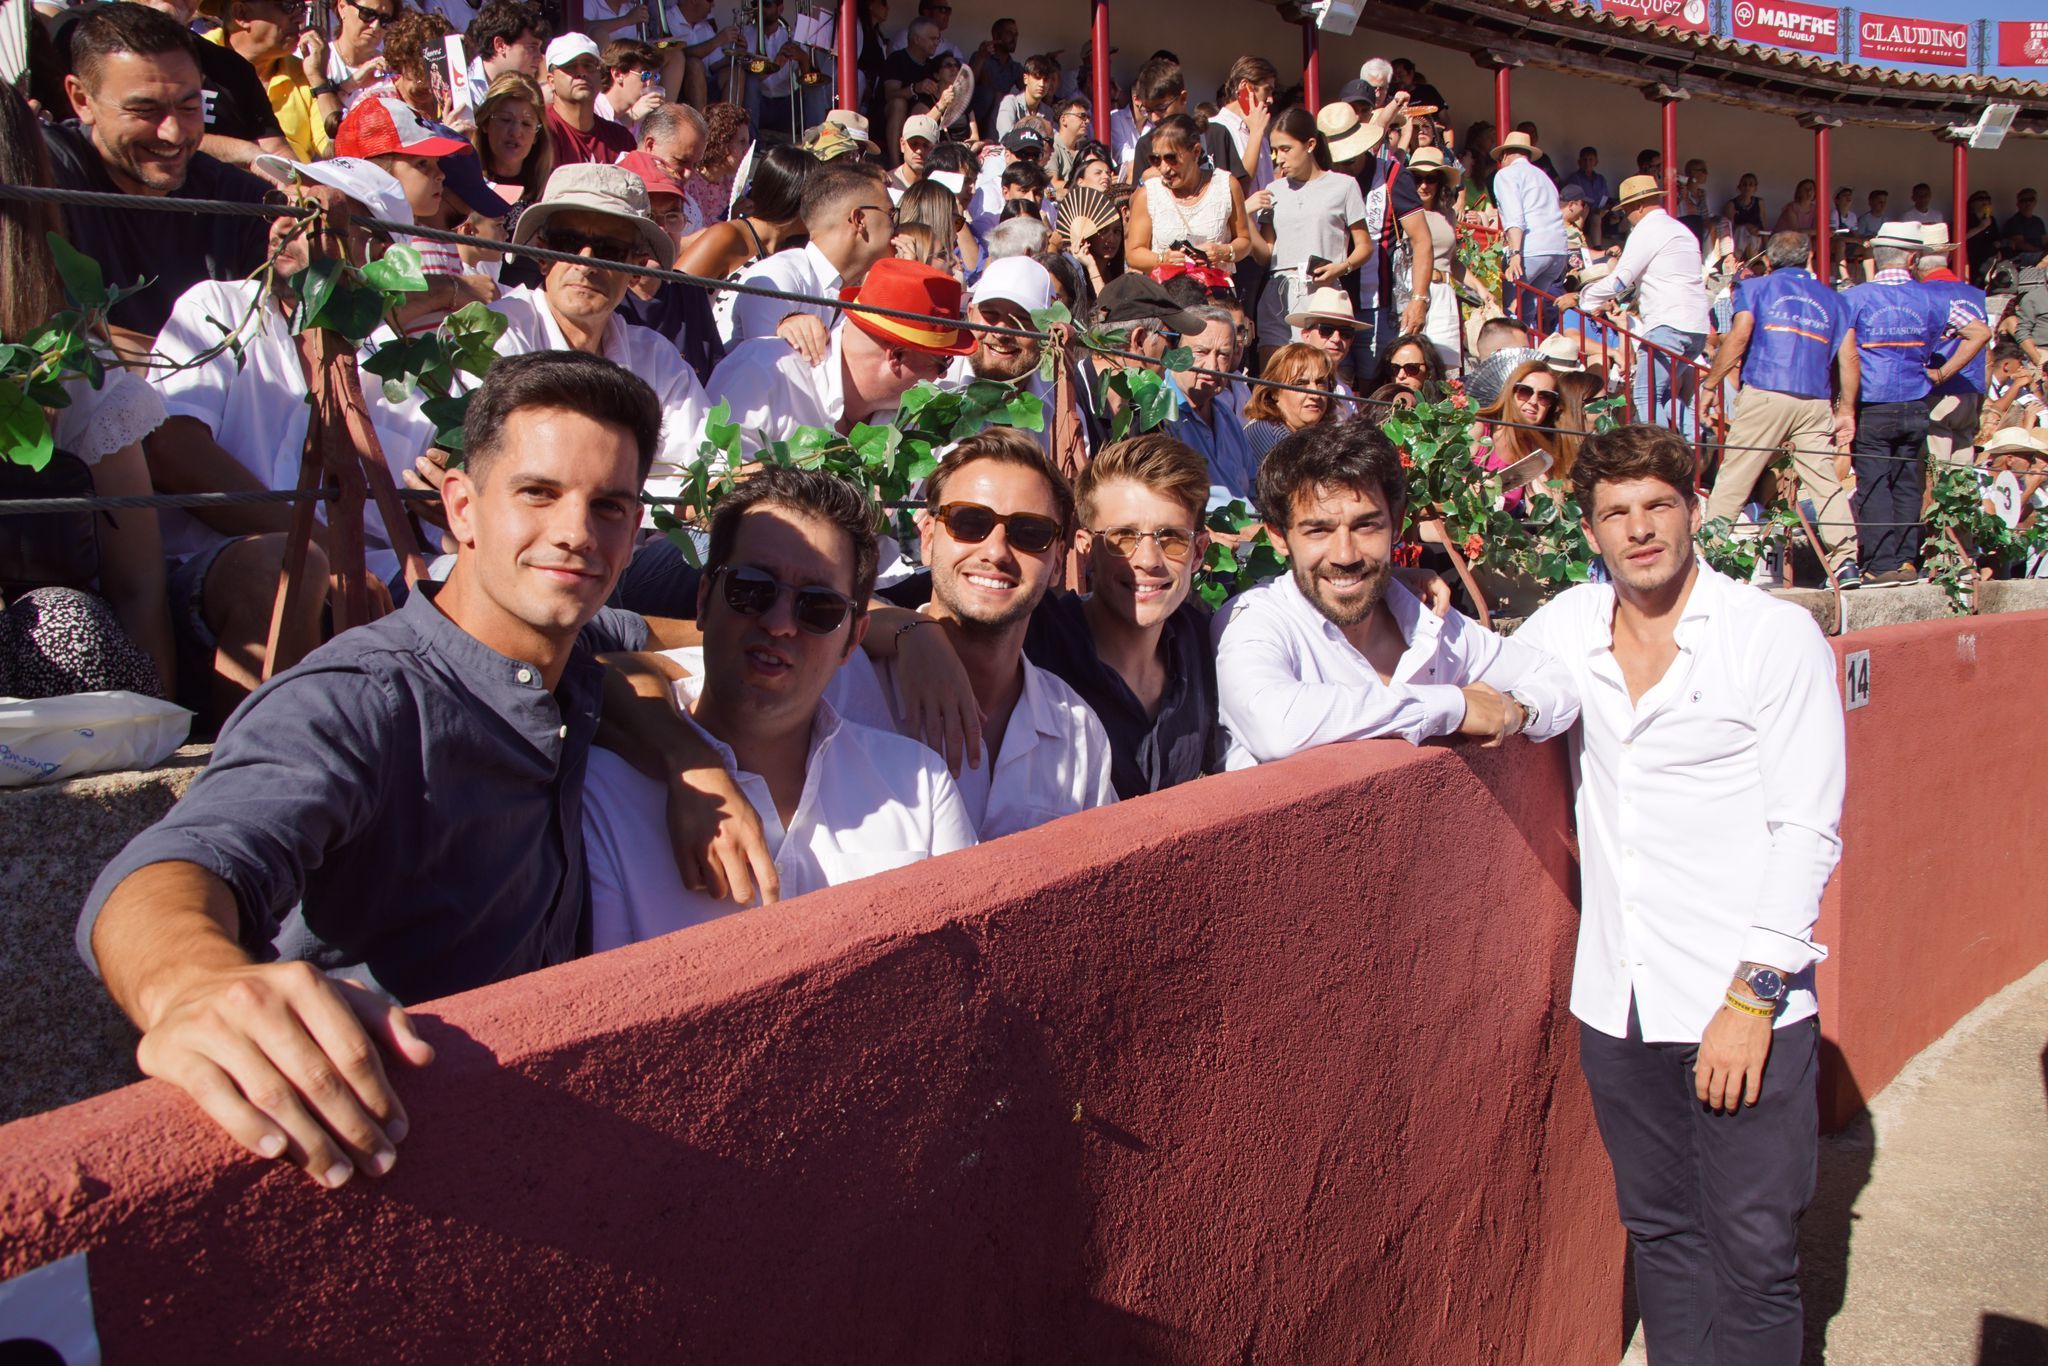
[(1690, 15), (1913, 40), (2023, 44), (1787, 23)]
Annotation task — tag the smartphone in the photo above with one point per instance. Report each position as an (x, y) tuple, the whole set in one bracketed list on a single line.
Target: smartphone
[(1243, 98), (1316, 263)]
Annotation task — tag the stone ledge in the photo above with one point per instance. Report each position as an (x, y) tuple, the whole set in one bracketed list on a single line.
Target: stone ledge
[(1861, 609)]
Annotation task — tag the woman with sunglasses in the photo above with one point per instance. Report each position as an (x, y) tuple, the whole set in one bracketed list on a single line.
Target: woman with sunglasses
[(1410, 362), (1532, 398), (510, 141), (1309, 223), (1274, 413), (770, 216), (1444, 326), (356, 56), (1189, 213)]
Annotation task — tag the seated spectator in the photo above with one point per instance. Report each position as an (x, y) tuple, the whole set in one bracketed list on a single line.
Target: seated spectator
[(507, 35), (1006, 295), (389, 135), (678, 311), (930, 205), (920, 134), (260, 932), (782, 606), (909, 85), (2025, 233), (1327, 321), (848, 221), (1339, 650), (1873, 221), (1413, 364), (632, 87), (1149, 321), (1274, 414), (124, 58), (727, 140), (1923, 210), (1071, 133), (1531, 397), (575, 74), (412, 61), (509, 139), (292, 64), (994, 529), (704, 45), (867, 368), (84, 597), (1034, 98), (1210, 423), (1501, 345), (356, 57), (1094, 231), (763, 224), (674, 137), (2013, 395)]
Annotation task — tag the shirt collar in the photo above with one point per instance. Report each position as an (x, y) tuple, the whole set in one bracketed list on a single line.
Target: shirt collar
[(1894, 276), (1708, 591), (825, 724), (822, 269)]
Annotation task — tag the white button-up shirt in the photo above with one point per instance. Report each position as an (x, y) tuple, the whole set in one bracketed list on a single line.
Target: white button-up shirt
[(1708, 811), (641, 350), (800, 270), (772, 391), (1662, 259), (1528, 200), (1287, 679), (1055, 755), (872, 800)]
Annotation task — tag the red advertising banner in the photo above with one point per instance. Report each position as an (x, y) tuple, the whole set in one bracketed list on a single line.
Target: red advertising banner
[(2023, 44), (1690, 15), (1787, 23), (1928, 41)]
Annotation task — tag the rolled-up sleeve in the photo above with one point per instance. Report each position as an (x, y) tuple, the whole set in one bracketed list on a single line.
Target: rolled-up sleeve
[(1803, 754)]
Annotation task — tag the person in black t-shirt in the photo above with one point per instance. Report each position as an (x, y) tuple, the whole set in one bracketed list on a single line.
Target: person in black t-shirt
[(1161, 92), (240, 124), (137, 95)]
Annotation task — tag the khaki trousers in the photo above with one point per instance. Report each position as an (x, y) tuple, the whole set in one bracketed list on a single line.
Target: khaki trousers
[(1767, 419), (1952, 428)]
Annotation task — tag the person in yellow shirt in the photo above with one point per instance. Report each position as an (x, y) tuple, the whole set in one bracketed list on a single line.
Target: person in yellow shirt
[(292, 61)]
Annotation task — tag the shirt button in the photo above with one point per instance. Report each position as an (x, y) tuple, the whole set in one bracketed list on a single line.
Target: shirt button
[(524, 675), (563, 733)]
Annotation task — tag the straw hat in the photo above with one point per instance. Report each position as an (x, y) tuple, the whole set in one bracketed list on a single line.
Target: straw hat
[(856, 126), (1328, 304), (1561, 353), (1934, 239), (1431, 161), (612, 191), (908, 287), (2015, 441), (1518, 142), (1902, 236), (1637, 188), (1344, 133)]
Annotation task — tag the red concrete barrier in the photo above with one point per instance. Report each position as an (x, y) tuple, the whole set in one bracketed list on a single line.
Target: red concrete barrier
[(1275, 1067)]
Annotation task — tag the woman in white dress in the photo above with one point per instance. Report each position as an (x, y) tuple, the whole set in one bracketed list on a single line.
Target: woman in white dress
[(1435, 181), (1188, 214)]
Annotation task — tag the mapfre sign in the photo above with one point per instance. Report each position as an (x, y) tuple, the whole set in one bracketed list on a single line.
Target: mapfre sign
[(1690, 15), (1785, 23), (1912, 40)]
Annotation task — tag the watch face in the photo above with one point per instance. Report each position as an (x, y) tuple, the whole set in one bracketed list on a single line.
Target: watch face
[(1768, 985)]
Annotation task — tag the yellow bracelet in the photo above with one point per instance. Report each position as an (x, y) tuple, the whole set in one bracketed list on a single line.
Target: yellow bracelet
[(1748, 1007)]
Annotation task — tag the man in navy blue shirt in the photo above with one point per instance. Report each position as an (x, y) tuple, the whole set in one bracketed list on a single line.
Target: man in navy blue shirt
[(1797, 352), (399, 816), (1953, 408)]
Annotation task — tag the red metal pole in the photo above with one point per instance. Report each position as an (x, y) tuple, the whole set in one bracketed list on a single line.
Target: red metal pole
[(1098, 74), (848, 96), (1312, 64), (1503, 82), (1823, 241), (1671, 157), (1961, 174)]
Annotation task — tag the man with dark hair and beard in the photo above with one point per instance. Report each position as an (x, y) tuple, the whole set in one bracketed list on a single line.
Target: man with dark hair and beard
[(1341, 650), (997, 523)]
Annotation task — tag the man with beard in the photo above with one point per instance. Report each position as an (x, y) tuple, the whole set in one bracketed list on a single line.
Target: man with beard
[(994, 528), (1709, 768), (1006, 295), (1339, 649)]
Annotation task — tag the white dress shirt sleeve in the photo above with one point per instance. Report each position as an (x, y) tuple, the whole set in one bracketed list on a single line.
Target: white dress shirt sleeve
[(1635, 259), (755, 316), (1801, 748), (1516, 666), (199, 320), (952, 827), (1269, 709)]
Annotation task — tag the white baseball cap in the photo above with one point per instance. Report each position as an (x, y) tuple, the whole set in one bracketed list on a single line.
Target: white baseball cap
[(1015, 279), (569, 47), (365, 182)]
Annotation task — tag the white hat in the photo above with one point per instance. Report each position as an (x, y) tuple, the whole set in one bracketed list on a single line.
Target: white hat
[(367, 183), (1561, 353), (2015, 440), (569, 47), (1326, 304), (1015, 279), (1901, 235)]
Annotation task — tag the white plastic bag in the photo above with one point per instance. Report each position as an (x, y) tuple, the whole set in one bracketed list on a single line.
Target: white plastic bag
[(53, 738)]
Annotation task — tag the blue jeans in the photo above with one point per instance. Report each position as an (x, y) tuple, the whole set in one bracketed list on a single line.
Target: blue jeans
[(1547, 274), (815, 101), (1654, 395)]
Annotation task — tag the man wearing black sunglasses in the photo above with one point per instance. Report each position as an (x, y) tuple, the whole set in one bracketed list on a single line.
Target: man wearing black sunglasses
[(782, 606), (997, 522)]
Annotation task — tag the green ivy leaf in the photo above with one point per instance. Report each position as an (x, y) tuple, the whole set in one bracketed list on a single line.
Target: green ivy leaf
[(1178, 358), (83, 280), (1044, 319), (24, 430), (310, 288), (446, 414), (398, 271)]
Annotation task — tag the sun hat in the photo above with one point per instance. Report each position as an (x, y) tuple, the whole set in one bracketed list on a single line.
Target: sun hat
[(1934, 239), (922, 126), (1561, 353), (1900, 234), (829, 142), (2015, 441), (1328, 304), (365, 182), (1344, 134), (652, 174), (1637, 187), (569, 47), (1431, 161), (384, 126), (614, 191), (856, 126), (910, 287), (1518, 141)]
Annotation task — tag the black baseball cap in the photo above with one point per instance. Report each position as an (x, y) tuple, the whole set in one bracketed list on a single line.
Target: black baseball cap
[(1133, 295), (1024, 141)]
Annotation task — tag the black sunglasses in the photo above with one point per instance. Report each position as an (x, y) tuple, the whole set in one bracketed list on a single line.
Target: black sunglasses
[(374, 16), (753, 592), (1415, 367), (1325, 330), (575, 243), (1525, 392), (973, 524)]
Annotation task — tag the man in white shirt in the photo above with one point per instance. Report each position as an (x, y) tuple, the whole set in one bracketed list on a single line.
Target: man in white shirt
[(849, 222), (1340, 650), (1537, 252), (1661, 260), (1709, 765), (781, 606), (996, 526), (1247, 113), (1923, 210)]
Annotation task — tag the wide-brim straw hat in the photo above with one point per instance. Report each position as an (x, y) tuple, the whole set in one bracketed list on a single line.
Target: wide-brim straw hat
[(1345, 135), (613, 191), (1518, 142), (1328, 304), (1432, 161), (2015, 441), (1900, 235), (1934, 239), (1637, 188), (1561, 353)]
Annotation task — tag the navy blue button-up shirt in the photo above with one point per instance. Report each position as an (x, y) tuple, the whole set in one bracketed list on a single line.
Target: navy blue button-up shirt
[(404, 808)]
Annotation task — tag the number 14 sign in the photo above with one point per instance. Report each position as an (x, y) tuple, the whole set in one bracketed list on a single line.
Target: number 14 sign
[(1855, 680)]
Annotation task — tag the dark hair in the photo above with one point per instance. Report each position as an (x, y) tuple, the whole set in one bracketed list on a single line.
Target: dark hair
[(721, 121), (833, 187), (1186, 291), (630, 54), (1637, 451), (1159, 79), (952, 156), (1044, 66), (1069, 105), (814, 493), (782, 174), (1432, 363), (2003, 350), (32, 294), (501, 19), (1026, 175), (1072, 279), (586, 384), (1246, 71), (1021, 208), (1298, 123), (1179, 129), (1352, 455), (108, 30), (1008, 446)]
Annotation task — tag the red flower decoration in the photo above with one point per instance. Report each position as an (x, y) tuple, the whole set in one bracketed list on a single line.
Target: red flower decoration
[(1473, 545), (1459, 401), (1407, 461)]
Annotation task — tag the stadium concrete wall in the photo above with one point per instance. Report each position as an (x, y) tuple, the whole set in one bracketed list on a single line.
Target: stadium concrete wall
[(1274, 1067)]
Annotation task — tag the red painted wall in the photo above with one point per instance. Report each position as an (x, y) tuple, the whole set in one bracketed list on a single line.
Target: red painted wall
[(1271, 1068)]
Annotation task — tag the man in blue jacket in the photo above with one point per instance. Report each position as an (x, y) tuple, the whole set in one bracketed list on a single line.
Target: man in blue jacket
[(1952, 408)]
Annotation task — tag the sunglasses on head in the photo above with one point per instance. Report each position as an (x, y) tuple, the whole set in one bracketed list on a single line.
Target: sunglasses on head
[(754, 592), (1173, 543), (1526, 392), (972, 524), (575, 243)]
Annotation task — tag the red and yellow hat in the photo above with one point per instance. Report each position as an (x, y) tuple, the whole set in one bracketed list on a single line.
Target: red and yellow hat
[(910, 287)]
